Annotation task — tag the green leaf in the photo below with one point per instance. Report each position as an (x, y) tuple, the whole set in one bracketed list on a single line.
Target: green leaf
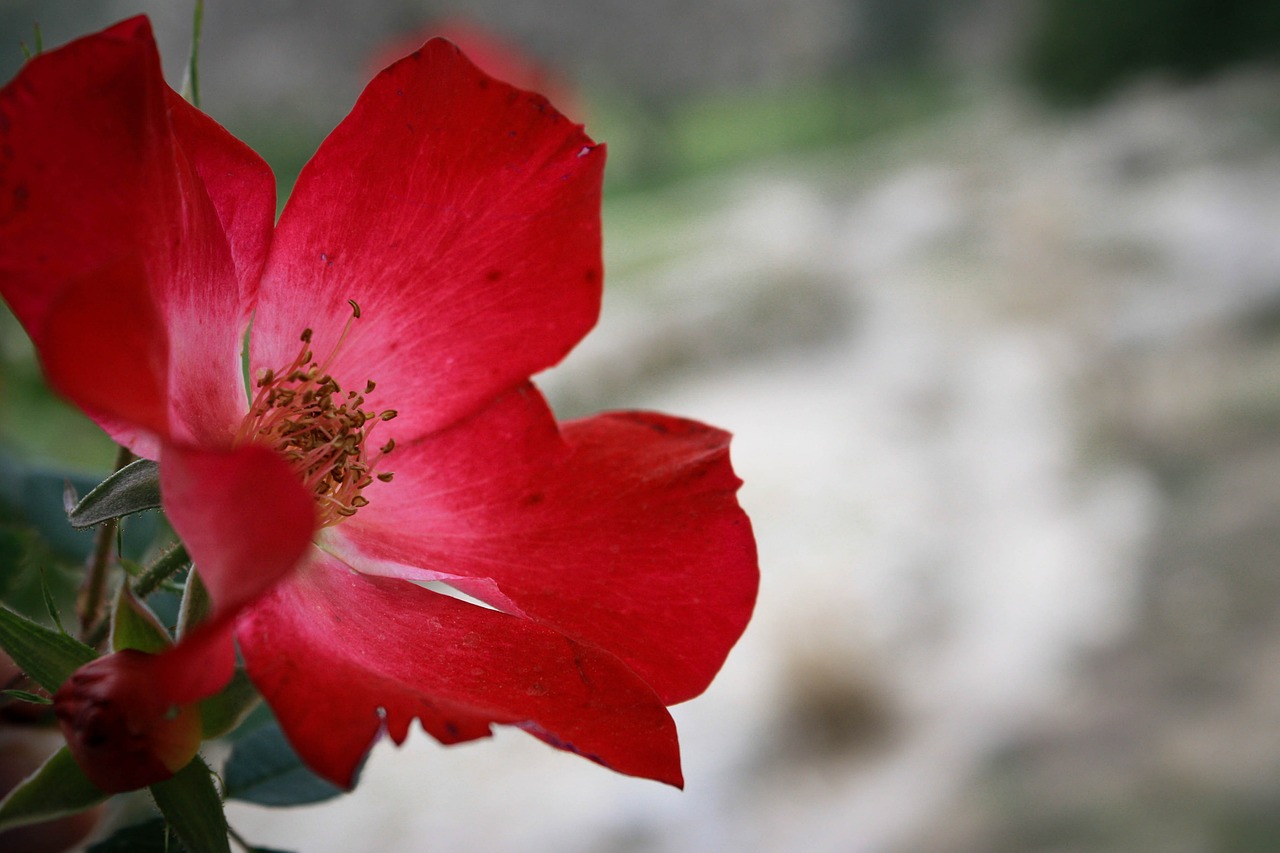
[(264, 769), (35, 495), (134, 626), (32, 572), (49, 605), (134, 488), (58, 788), (190, 803), (24, 696), (48, 656), (151, 836), (221, 713)]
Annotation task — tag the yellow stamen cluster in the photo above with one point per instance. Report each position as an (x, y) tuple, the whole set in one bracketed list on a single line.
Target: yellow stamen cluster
[(320, 430)]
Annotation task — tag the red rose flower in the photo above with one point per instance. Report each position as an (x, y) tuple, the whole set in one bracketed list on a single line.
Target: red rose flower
[(383, 445)]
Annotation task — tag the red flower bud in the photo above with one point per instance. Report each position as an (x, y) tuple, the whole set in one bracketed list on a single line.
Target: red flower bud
[(121, 730)]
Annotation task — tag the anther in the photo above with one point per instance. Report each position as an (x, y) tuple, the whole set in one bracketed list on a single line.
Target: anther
[(323, 432)]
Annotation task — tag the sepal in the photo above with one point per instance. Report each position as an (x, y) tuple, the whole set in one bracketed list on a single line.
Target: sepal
[(134, 488), (190, 803), (196, 604), (58, 788), (135, 626), (49, 657), (223, 712)]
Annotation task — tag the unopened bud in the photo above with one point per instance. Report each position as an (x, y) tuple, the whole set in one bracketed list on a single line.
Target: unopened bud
[(120, 730)]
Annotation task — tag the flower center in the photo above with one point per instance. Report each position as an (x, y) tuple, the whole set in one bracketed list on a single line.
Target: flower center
[(322, 431)]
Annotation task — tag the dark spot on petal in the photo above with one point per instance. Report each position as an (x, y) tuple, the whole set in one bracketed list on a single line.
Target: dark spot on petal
[(452, 728), (417, 55), (593, 275), (400, 92), (533, 499), (484, 82), (493, 275)]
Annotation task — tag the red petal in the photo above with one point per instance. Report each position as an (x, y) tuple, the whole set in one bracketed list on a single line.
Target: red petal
[(211, 294), (103, 345), (240, 186), (462, 215), (339, 655), (198, 666), (632, 540), (102, 167), (491, 53), (245, 519)]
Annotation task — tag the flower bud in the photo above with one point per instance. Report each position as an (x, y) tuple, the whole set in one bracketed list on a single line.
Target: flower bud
[(120, 729)]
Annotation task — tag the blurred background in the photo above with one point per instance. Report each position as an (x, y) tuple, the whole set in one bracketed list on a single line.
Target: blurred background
[(989, 293)]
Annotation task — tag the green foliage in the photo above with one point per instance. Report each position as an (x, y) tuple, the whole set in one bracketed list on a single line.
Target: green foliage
[(134, 488), (31, 497), (222, 713), (264, 769), (58, 788), (1083, 49), (33, 576), (190, 803), (196, 604), (134, 626), (47, 656), (24, 696)]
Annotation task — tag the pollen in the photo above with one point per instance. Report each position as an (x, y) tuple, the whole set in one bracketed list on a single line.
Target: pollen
[(322, 431)]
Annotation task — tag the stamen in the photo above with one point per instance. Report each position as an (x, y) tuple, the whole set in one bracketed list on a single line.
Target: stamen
[(322, 431)]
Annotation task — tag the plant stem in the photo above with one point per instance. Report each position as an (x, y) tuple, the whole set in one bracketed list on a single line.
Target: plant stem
[(89, 603), (191, 87), (161, 570)]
